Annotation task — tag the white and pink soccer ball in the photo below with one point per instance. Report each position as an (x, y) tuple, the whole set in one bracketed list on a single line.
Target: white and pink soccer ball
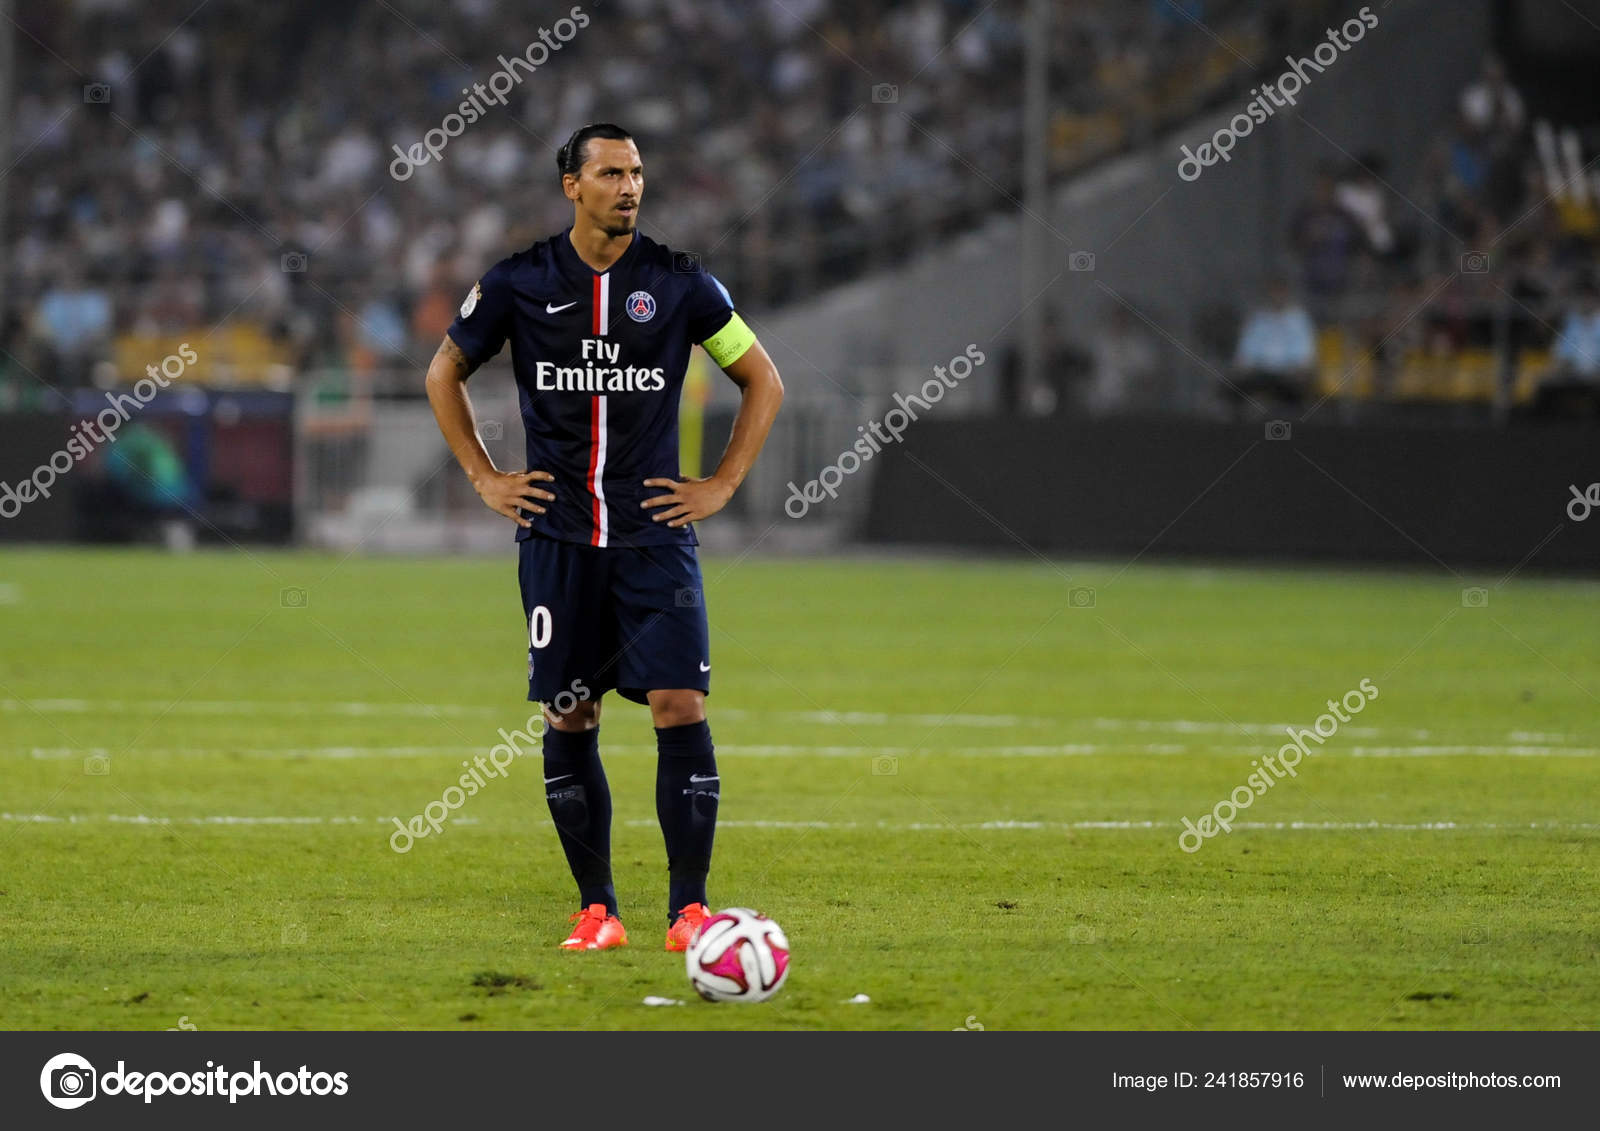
[(738, 955)]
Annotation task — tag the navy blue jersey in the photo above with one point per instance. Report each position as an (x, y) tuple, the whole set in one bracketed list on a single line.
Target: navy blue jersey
[(599, 360)]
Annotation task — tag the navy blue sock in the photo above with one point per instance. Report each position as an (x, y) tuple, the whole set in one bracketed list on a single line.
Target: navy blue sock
[(579, 797), (687, 792)]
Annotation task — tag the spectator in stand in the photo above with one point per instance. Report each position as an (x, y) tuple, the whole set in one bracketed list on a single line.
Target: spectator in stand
[(1277, 351), (1572, 388), (436, 309), (1362, 194), (1397, 332), (1478, 173), (1577, 349), (1326, 239), (1491, 104), (1064, 367), (1534, 283), (382, 330), (1126, 373), (73, 322)]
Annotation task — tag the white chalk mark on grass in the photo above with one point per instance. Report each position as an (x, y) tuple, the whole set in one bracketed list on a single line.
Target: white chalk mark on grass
[(735, 750), (232, 821), (365, 709)]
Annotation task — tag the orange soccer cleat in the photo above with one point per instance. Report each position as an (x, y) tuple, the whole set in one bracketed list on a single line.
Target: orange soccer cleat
[(595, 930), (685, 925)]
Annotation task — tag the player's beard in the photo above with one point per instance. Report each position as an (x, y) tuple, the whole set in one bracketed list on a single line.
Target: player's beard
[(616, 229)]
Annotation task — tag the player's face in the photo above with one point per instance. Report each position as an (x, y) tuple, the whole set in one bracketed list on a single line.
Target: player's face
[(610, 186)]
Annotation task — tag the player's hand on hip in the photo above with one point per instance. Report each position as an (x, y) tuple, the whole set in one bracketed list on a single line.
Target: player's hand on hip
[(689, 500), (506, 492)]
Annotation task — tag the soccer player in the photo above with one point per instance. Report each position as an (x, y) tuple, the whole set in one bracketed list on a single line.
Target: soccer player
[(601, 321)]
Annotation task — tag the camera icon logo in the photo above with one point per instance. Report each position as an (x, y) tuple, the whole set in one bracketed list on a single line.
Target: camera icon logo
[(1081, 598), (1279, 430), (293, 262), (885, 766), (293, 597), (1080, 261), (1475, 263), (884, 93), (68, 1081), (490, 430), (685, 262), (97, 93), (97, 765), (687, 598), (1475, 597)]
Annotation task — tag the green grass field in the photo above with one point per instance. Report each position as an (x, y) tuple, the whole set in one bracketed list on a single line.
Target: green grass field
[(958, 791)]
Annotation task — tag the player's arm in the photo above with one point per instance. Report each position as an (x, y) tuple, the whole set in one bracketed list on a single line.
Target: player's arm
[(760, 395), (501, 491)]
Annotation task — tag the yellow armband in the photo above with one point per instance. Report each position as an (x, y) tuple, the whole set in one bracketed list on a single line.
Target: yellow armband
[(729, 344)]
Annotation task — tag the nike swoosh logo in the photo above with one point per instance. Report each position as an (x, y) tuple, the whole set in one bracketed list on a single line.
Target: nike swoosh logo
[(558, 777), (551, 308), (696, 779), (705, 667)]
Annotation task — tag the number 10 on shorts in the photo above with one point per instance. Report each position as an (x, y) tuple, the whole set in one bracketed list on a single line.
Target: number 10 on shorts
[(540, 625)]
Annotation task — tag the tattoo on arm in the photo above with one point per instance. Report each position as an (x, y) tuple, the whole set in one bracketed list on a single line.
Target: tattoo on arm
[(452, 353)]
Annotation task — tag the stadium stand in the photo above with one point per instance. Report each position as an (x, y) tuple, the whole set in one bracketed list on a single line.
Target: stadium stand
[(254, 189)]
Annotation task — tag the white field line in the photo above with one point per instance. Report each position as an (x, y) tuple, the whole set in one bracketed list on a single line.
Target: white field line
[(730, 749), (286, 753), (1194, 726), (883, 826), (1490, 751), (882, 718), (1263, 826), (736, 750), (234, 707), (274, 707), (224, 821), (361, 709), (428, 710)]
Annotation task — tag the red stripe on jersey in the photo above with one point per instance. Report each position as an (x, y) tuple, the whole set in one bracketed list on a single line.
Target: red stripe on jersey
[(598, 306), (597, 470)]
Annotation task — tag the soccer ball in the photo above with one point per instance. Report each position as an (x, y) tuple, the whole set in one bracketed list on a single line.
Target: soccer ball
[(738, 955)]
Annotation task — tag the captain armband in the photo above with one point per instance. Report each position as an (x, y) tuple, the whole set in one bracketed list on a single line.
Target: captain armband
[(729, 344)]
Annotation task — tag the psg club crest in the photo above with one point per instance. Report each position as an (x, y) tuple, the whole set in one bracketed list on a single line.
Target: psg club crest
[(470, 303), (641, 306)]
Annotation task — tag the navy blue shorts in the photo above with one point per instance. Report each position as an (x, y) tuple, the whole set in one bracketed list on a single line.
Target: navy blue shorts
[(625, 618)]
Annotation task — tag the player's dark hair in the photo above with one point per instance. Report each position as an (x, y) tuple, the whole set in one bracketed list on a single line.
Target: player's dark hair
[(571, 156)]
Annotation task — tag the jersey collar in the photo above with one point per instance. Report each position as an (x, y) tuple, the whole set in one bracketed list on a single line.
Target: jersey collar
[(576, 269)]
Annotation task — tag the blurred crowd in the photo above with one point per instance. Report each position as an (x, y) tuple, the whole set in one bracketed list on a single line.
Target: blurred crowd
[(180, 168), (1493, 255), (1474, 282)]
